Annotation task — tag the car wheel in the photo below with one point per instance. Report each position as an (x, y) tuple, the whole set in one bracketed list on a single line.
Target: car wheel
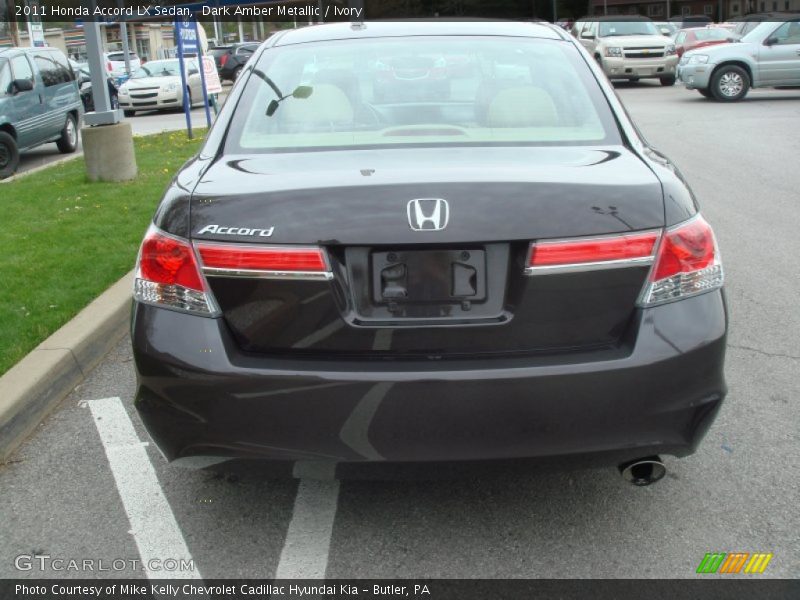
[(68, 142), (730, 83), (667, 81), (9, 155), (237, 73), (129, 113)]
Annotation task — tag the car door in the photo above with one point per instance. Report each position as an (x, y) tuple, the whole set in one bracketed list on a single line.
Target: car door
[(779, 61), (27, 108), (55, 102)]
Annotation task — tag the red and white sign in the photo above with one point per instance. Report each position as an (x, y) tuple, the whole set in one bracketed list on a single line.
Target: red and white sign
[(213, 83)]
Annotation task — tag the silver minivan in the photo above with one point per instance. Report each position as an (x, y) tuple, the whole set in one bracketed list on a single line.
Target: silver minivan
[(39, 103)]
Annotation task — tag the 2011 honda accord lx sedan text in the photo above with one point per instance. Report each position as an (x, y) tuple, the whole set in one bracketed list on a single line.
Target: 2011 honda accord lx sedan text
[(484, 260)]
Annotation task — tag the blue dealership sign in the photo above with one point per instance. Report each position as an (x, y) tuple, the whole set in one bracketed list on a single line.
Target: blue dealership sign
[(186, 36)]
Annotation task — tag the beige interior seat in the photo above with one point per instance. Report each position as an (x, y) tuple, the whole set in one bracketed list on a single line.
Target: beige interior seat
[(522, 106), (327, 106)]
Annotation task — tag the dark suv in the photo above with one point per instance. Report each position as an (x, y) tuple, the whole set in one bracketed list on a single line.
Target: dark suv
[(231, 59)]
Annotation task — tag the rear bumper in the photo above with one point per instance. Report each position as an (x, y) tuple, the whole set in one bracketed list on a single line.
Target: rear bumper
[(199, 396)]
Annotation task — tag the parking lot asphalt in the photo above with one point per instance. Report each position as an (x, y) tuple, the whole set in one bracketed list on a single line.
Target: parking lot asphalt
[(71, 490)]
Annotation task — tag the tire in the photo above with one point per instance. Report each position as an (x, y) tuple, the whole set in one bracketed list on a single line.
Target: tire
[(9, 155), (129, 113), (729, 83), (705, 93), (68, 142), (667, 81), (236, 74)]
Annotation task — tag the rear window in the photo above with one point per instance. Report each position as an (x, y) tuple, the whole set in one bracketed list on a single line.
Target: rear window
[(712, 34), (432, 91), (120, 56)]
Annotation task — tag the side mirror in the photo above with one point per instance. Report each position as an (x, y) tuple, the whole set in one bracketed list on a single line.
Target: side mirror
[(22, 85), (301, 92), (770, 41), (587, 35)]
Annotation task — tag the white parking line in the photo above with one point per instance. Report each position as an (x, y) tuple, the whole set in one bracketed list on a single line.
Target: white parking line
[(308, 540), (153, 525)]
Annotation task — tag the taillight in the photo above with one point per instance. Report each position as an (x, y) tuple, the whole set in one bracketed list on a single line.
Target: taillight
[(167, 274), (270, 262), (583, 254), (687, 263), (223, 59), (109, 67)]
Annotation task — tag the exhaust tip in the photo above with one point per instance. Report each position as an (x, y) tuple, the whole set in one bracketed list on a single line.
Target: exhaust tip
[(643, 471)]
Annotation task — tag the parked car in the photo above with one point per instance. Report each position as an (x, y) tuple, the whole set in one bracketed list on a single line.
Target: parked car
[(686, 21), (39, 103), (629, 48), (231, 59), (768, 56), (489, 278), (84, 79), (115, 63), (156, 85), (700, 37), (667, 28), (417, 76)]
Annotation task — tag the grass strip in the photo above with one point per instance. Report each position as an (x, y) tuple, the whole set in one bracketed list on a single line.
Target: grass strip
[(65, 239)]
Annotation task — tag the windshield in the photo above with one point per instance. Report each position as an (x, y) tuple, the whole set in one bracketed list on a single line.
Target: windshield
[(614, 28), (159, 68), (450, 90)]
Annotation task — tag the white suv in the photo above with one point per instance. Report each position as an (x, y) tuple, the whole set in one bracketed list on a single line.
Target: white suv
[(629, 48)]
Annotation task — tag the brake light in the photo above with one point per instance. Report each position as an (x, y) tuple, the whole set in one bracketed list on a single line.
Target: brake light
[(167, 274), (687, 263), (109, 67), (273, 262), (223, 59), (581, 254)]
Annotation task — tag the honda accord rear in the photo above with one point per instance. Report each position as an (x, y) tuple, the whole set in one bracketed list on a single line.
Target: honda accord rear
[(500, 268)]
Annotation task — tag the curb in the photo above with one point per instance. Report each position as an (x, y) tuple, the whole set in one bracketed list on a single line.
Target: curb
[(31, 171), (36, 384)]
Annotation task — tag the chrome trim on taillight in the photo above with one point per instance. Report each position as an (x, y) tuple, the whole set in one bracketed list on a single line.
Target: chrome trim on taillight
[(601, 265), (590, 266), (325, 275), (258, 274)]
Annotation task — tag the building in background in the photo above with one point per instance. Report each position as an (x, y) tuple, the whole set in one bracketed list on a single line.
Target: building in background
[(148, 40)]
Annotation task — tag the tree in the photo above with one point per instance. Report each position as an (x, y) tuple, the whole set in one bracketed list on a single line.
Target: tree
[(8, 21)]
